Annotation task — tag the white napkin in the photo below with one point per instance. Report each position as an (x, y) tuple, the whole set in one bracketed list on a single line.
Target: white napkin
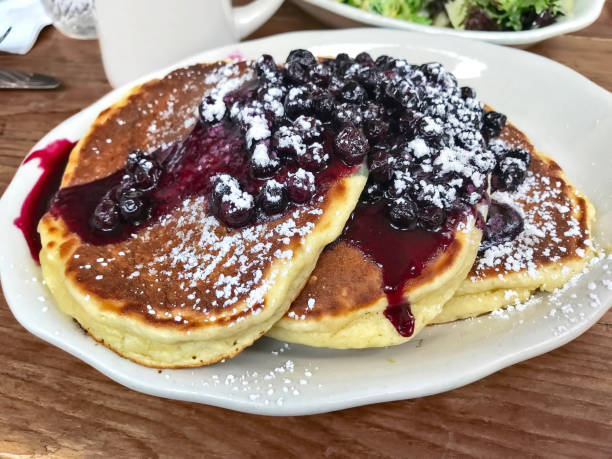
[(26, 19)]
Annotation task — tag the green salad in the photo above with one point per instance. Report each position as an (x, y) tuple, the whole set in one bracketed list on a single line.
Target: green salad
[(470, 14)]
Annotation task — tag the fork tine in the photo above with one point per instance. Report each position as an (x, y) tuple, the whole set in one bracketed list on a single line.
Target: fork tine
[(9, 75), (26, 80), (5, 34)]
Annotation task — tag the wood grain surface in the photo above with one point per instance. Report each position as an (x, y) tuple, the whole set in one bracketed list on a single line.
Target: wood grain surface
[(51, 404)]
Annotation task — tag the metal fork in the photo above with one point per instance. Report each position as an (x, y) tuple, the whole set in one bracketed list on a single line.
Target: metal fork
[(14, 79)]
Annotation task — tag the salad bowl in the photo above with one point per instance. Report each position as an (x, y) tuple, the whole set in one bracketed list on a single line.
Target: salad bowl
[(341, 15)]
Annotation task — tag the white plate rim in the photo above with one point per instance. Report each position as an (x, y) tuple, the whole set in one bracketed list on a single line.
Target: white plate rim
[(322, 405)]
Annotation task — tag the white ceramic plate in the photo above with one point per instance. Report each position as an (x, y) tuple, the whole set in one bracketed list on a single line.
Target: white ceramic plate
[(565, 114), (340, 15)]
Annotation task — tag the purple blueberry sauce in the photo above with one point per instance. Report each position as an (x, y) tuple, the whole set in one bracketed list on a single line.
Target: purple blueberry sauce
[(401, 254), (53, 159)]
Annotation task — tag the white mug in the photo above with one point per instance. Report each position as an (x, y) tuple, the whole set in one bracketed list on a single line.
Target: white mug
[(139, 36)]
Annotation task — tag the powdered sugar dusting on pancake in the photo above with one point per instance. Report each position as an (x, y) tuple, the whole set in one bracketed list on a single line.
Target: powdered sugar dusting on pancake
[(202, 270), (551, 232)]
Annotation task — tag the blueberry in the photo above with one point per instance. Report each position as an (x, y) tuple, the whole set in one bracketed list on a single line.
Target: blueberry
[(469, 140), (302, 57), (418, 78), (447, 80), (335, 85), (417, 173), (428, 128), (436, 74), (321, 73), (394, 94), (504, 224), (375, 130), (508, 175), (351, 145), (374, 84), (352, 92), (300, 186), (265, 67), (272, 197), (298, 65), (342, 63), (134, 157), (407, 123), (484, 161), (404, 153), (498, 148), (297, 73), (372, 193), (520, 154), (298, 102), (402, 213), (467, 93), (313, 158), (380, 164), (236, 209), (431, 70), (511, 171), (263, 163), (493, 123), (211, 109), (125, 185), (396, 189), (372, 111), (106, 215), (308, 128), (411, 97), (223, 185), (347, 113), (134, 207), (384, 62), (143, 170), (432, 218), (324, 106), (364, 58), (286, 142)]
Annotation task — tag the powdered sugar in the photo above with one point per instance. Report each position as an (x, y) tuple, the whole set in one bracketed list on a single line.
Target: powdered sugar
[(550, 229)]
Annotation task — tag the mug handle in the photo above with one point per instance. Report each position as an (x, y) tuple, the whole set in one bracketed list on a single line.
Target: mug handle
[(249, 17)]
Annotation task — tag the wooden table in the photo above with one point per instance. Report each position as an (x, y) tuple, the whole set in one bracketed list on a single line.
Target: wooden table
[(558, 404)]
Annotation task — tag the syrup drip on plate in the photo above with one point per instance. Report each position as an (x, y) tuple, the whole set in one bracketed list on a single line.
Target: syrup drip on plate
[(53, 159), (401, 254)]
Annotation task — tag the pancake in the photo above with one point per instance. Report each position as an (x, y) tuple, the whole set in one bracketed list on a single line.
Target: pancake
[(185, 290), (553, 247), (379, 285), (343, 304)]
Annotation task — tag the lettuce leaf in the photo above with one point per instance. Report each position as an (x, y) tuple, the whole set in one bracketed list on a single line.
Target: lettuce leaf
[(509, 13), (409, 10)]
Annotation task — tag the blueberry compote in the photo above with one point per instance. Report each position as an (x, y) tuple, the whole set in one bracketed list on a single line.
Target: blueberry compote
[(53, 159), (282, 136), (429, 156), (401, 254)]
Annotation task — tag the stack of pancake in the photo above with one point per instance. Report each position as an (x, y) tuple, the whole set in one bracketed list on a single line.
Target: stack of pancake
[(189, 291)]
